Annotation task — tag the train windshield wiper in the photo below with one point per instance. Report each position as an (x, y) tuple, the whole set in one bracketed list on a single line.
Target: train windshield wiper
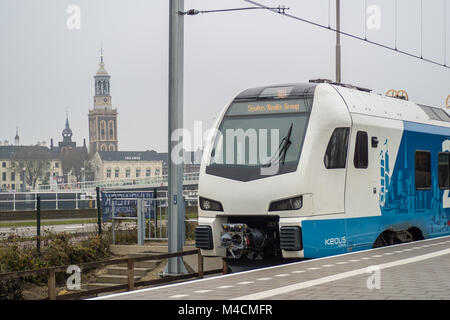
[(284, 146), (287, 144)]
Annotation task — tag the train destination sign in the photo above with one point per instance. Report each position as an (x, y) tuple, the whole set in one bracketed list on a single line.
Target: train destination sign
[(267, 107)]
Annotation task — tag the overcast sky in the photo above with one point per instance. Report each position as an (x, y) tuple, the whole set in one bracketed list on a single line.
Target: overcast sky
[(46, 68)]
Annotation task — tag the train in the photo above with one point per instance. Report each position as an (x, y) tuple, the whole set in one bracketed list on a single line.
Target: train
[(316, 169)]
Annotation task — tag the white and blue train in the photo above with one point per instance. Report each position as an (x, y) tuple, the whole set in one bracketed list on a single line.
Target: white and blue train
[(352, 170)]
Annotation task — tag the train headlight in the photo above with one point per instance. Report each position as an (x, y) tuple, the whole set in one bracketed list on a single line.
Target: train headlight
[(210, 205), (287, 204)]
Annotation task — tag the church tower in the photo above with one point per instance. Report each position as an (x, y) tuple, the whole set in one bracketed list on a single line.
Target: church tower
[(103, 117)]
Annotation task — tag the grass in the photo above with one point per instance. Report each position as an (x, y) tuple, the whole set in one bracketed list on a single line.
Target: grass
[(187, 216), (191, 213), (18, 224)]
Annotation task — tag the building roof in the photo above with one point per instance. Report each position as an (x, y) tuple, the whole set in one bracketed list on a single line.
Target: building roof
[(8, 152)]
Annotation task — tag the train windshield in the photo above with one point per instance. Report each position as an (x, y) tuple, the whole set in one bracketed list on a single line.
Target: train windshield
[(257, 139)]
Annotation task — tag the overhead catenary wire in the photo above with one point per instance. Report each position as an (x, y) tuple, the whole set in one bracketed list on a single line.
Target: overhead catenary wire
[(350, 35), (192, 12)]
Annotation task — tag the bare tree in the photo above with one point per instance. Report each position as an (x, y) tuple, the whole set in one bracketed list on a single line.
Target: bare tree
[(73, 160), (35, 160), (91, 168)]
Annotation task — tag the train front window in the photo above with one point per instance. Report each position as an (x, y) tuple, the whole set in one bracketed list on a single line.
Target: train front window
[(259, 135)]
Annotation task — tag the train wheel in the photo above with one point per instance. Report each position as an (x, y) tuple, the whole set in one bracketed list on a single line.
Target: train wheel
[(389, 238)]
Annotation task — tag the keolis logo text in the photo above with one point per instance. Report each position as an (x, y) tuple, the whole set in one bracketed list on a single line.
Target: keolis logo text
[(335, 241)]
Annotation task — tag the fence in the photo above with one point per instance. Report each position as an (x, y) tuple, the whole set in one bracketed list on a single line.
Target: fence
[(145, 219), (158, 218), (150, 216), (27, 201), (158, 181), (131, 284)]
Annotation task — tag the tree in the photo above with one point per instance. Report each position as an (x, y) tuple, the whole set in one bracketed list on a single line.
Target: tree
[(91, 168), (73, 160), (35, 160)]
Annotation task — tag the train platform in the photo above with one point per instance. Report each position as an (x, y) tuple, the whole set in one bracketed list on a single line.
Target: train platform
[(413, 271)]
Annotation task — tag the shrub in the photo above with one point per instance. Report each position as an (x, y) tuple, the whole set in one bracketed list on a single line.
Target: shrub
[(11, 289), (58, 249), (128, 236), (190, 230)]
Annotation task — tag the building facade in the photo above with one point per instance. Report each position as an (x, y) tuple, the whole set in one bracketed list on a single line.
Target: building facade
[(38, 163), (138, 164), (103, 117), (116, 165)]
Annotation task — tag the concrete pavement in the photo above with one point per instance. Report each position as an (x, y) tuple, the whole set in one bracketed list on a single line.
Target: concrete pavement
[(417, 270)]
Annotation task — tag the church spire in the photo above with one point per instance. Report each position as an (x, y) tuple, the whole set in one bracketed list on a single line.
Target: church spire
[(101, 70), (16, 138), (67, 119), (67, 132)]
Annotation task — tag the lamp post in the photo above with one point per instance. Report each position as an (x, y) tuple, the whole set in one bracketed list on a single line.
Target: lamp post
[(23, 179)]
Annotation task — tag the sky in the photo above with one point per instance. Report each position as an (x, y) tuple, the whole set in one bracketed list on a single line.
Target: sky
[(47, 68)]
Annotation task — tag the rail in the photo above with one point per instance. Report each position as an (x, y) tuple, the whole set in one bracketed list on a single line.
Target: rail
[(129, 286)]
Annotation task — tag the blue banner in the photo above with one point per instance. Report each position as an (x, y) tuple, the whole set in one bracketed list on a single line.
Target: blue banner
[(124, 206)]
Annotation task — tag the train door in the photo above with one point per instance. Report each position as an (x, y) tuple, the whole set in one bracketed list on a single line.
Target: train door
[(324, 234), (368, 171)]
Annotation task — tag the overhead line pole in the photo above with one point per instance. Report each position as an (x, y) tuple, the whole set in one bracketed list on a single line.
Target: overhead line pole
[(175, 201)]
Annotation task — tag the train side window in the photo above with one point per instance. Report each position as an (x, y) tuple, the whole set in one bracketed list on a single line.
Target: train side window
[(361, 158), (441, 114), (336, 153), (444, 170), (423, 169), (432, 115)]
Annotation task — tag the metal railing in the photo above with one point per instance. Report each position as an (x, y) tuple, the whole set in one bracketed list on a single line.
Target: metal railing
[(27, 201), (188, 178), (151, 218), (73, 200)]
